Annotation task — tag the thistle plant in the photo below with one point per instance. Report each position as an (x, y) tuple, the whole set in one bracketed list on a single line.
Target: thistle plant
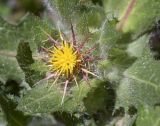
[(68, 60), (79, 63)]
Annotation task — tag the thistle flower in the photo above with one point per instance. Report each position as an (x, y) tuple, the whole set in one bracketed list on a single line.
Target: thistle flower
[(67, 59), (64, 59)]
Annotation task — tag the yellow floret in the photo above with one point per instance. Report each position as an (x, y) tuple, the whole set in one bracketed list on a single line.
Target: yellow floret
[(64, 59)]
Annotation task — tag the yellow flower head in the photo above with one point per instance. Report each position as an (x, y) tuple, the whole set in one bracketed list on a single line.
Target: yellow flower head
[(64, 59)]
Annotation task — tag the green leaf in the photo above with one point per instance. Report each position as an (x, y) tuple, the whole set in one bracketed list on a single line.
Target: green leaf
[(30, 30), (148, 116), (136, 93), (141, 85), (40, 67), (103, 96), (9, 69), (24, 55), (145, 69), (108, 34), (13, 117), (99, 101), (67, 118), (115, 6), (138, 16), (25, 60), (113, 45), (66, 8), (84, 15), (2, 120), (136, 48), (88, 18), (4, 9), (35, 100)]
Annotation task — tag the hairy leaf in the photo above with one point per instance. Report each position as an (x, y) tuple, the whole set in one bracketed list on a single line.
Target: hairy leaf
[(13, 117), (25, 60), (148, 116), (139, 16), (35, 100), (141, 85)]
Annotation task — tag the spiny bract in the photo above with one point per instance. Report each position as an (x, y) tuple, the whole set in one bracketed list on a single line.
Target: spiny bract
[(67, 59)]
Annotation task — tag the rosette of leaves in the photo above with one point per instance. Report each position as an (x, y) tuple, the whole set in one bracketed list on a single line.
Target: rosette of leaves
[(129, 74)]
